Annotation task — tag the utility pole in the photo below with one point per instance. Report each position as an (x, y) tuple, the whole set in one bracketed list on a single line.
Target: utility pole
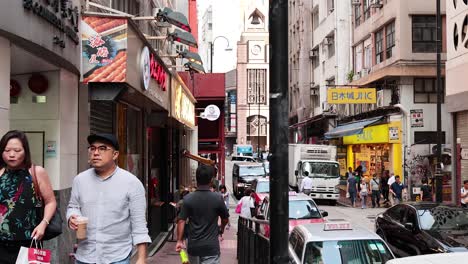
[(438, 174), (278, 30)]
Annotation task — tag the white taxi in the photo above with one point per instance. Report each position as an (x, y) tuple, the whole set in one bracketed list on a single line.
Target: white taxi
[(336, 242)]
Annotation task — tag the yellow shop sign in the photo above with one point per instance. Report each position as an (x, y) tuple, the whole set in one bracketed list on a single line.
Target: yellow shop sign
[(351, 96), (372, 134)]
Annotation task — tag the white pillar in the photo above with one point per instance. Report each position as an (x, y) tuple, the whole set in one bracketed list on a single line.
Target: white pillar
[(4, 85)]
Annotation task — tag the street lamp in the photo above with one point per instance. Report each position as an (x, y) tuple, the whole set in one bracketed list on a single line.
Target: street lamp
[(212, 49)]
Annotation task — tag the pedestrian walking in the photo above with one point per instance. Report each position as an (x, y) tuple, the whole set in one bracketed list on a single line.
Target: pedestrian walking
[(384, 187), (349, 173), (375, 189), (397, 190), (464, 194), (202, 208), (363, 193), (225, 194), (351, 188), (358, 173), (113, 200), (19, 223), (306, 184), (391, 180), (247, 204), (426, 191)]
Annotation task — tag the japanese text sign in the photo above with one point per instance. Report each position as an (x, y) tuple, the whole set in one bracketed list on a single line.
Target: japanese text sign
[(351, 96)]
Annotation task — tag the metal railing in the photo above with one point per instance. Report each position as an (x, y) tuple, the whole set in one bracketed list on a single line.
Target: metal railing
[(252, 246)]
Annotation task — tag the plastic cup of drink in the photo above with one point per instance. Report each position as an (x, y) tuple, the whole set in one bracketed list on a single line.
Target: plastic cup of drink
[(82, 222)]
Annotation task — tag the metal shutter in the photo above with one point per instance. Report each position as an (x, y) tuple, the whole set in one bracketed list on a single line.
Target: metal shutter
[(462, 133), (101, 117)]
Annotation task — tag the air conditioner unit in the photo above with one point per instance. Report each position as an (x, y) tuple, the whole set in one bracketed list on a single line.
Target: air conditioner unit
[(314, 90), (327, 41), (313, 54), (356, 2), (364, 72), (376, 4)]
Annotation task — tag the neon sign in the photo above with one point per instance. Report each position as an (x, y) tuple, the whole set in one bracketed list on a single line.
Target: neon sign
[(158, 73)]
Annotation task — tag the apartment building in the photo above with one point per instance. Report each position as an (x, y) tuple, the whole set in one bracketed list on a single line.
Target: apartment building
[(394, 51), (319, 57), (457, 91)]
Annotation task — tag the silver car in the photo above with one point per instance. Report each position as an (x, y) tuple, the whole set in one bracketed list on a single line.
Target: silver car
[(336, 242)]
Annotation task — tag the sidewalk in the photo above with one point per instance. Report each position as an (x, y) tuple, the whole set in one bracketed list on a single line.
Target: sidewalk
[(168, 255)]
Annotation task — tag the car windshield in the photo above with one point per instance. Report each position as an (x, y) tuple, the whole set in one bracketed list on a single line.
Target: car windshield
[(263, 187), (443, 218), (347, 251), (303, 209), (251, 171), (321, 169)]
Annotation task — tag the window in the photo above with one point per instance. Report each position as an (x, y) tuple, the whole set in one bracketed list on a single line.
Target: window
[(315, 18), (210, 26), (299, 247), (357, 15), (367, 56), (256, 86), (424, 33), (331, 5), (390, 39), (379, 46), (358, 57), (331, 46), (425, 91), (315, 58), (366, 9), (396, 213), (427, 137)]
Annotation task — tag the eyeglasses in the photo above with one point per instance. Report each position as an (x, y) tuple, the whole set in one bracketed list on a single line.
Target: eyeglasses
[(100, 149)]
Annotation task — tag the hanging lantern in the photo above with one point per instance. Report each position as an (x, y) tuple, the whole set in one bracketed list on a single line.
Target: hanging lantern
[(15, 88), (38, 83)]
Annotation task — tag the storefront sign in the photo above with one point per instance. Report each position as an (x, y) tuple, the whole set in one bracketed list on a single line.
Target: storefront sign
[(145, 67), (417, 118), (158, 73), (372, 134), (183, 107), (351, 96), (104, 45), (211, 113), (57, 13)]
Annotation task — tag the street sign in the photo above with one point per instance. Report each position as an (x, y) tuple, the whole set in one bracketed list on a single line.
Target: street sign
[(417, 118)]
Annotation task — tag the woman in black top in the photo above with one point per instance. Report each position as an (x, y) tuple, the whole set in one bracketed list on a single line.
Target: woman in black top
[(426, 191)]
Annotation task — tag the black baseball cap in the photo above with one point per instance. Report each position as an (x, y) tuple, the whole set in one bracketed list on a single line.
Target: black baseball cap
[(107, 138)]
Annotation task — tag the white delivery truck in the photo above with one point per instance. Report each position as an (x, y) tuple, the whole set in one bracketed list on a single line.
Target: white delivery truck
[(319, 162)]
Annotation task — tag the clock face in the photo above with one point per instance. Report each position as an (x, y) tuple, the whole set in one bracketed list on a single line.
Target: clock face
[(256, 49)]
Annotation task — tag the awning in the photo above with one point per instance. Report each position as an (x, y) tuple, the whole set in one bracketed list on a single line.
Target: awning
[(352, 128)]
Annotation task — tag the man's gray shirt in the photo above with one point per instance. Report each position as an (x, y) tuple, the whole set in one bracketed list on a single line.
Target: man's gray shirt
[(116, 208)]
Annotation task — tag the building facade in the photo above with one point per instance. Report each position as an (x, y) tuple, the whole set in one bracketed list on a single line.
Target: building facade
[(457, 92), (394, 51), (319, 57), (253, 79)]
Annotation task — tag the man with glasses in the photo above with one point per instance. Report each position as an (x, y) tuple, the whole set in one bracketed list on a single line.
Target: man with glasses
[(114, 202)]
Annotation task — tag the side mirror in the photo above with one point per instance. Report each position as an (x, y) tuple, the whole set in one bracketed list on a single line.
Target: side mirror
[(324, 213), (409, 226), (296, 172)]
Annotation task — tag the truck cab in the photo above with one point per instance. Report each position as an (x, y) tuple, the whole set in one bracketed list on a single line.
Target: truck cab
[(319, 163)]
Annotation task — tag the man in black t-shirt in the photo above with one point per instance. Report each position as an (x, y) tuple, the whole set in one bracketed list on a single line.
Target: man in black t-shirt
[(202, 208)]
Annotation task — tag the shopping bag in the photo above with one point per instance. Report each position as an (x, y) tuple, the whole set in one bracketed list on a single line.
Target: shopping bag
[(238, 208), (348, 195), (33, 256)]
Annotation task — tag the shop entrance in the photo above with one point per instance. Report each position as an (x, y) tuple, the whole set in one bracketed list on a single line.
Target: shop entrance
[(374, 158)]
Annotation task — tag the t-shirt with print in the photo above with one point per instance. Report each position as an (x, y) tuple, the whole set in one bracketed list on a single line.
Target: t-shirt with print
[(202, 208)]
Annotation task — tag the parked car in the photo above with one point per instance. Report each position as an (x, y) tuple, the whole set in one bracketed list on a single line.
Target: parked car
[(302, 210), (336, 242), (440, 258), (243, 174), (261, 188), (243, 158), (423, 228)]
